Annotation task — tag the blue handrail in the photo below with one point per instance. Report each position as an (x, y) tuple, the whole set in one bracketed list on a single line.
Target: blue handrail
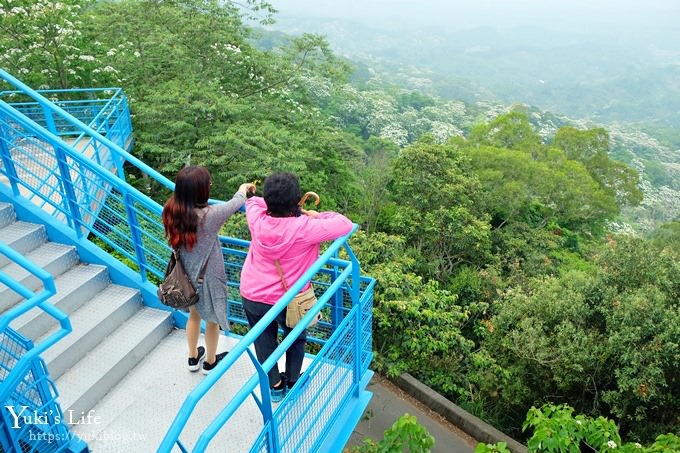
[(176, 427), (32, 300), (51, 109)]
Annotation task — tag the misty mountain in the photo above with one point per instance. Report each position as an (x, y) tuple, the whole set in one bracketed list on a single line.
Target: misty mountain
[(579, 74)]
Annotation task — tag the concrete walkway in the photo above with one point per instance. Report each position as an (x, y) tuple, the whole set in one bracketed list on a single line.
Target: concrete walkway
[(389, 403)]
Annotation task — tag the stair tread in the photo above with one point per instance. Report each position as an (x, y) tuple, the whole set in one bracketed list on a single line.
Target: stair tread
[(22, 237), (76, 276), (7, 215), (102, 359), (67, 284), (139, 409), (52, 257), (15, 230), (90, 316), (40, 256)]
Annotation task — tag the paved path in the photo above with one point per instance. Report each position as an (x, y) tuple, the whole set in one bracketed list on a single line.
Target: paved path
[(389, 403)]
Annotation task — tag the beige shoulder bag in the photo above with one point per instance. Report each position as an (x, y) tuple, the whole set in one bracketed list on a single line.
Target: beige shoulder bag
[(301, 303)]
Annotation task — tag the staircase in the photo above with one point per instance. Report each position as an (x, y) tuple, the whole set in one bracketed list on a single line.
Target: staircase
[(112, 330), (80, 245)]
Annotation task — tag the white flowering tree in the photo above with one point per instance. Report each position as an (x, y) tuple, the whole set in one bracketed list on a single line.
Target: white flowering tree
[(41, 42), (201, 93)]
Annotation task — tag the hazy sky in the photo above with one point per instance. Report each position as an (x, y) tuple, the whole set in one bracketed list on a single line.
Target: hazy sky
[(457, 14)]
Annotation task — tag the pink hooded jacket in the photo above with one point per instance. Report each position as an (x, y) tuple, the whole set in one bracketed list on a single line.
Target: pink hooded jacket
[(294, 241)]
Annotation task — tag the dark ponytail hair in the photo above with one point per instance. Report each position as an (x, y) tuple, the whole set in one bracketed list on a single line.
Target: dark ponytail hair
[(192, 190)]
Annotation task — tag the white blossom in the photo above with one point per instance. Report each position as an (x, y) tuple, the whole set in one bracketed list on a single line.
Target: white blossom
[(18, 10), (611, 444)]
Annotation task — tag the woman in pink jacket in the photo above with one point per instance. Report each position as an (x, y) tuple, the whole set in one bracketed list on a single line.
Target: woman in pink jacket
[(281, 230)]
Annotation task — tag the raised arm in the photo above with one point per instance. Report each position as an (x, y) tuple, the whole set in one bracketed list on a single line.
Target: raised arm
[(220, 212), (326, 226)]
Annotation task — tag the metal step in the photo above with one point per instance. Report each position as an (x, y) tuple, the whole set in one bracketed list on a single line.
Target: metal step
[(112, 330), (22, 237), (136, 413), (52, 257), (103, 367), (92, 323), (74, 287), (7, 214)]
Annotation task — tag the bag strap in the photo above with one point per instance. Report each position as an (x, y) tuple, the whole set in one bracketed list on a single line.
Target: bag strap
[(201, 275), (280, 271)]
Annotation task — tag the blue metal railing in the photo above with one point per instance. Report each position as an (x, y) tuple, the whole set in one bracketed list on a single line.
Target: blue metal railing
[(108, 116), (311, 395), (53, 113), (102, 109), (25, 386), (78, 189), (101, 206)]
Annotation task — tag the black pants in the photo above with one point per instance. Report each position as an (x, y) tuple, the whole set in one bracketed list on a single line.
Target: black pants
[(268, 341)]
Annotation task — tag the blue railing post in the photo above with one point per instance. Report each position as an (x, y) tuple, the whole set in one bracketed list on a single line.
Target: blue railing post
[(69, 192), (7, 161), (355, 292), (49, 120), (338, 303), (136, 235), (265, 404), (97, 151)]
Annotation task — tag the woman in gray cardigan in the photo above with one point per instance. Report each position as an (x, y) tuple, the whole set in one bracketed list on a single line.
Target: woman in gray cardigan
[(192, 226)]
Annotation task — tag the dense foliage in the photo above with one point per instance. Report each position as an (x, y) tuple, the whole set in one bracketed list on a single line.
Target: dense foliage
[(406, 434), (556, 429), (500, 283)]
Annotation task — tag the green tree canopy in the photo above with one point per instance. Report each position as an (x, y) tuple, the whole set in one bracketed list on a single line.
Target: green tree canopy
[(434, 208), (591, 147), (511, 130)]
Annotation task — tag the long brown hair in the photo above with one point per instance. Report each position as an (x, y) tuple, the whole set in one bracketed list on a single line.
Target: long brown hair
[(192, 190)]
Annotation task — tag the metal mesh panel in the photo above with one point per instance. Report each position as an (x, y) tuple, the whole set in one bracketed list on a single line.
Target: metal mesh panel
[(113, 227), (262, 443), (85, 111), (234, 256), (322, 391), (34, 165), (35, 422), (156, 249), (100, 109)]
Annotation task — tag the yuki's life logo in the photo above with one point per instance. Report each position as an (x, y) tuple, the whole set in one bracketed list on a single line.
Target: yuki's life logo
[(22, 416)]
